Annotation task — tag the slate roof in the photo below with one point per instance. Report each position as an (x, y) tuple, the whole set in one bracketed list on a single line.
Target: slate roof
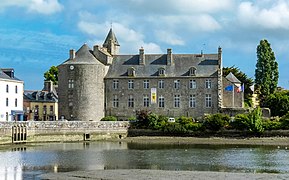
[(110, 37), (5, 76), (40, 96), (206, 65), (83, 56), (232, 78)]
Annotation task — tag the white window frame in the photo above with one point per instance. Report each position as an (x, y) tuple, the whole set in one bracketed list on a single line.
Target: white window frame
[(192, 84), (130, 101), (177, 101), (146, 101), (208, 84), (177, 84), (161, 84), (146, 84), (70, 83), (130, 84), (208, 100), (115, 84), (161, 102), (115, 101), (192, 101)]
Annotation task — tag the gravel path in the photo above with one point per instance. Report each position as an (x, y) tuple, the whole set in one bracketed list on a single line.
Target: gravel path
[(138, 174)]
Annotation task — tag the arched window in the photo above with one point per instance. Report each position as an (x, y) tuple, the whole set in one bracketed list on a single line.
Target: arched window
[(162, 72), (131, 71), (192, 71)]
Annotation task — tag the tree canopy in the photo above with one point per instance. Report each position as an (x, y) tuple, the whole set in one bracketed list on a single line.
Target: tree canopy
[(244, 79), (266, 72), (52, 75), (278, 102)]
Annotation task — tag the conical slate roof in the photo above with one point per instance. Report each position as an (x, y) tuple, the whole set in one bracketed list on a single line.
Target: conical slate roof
[(83, 56), (232, 78), (110, 37)]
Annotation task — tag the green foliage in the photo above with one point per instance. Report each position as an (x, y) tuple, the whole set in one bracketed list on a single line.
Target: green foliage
[(174, 128), (215, 122), (278, 103), (142, 118), (266, 72), (255, 121), (52, 75), (272, 124), (240, 122), (132, 118), (244, 79), (109, 118), (285, 121)]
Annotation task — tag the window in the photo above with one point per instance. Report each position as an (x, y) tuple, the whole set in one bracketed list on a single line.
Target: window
[(16, 103), (7, 88), (130, 101), (208, 100), (51, 109), (192, 103), (44, 109), (177, 84), (115, 101), (7, 102), (70, 83), (146, 84), (130, 84), (193, 84), (16, 89), (192, 71), (146, 101), (115, 84), (131, 72), (177, 101), (208, 84), (36, 110), (162, 72), (7, 116), (161, 84), (161, 101)]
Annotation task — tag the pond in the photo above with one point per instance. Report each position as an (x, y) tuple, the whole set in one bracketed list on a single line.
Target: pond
[(29, 161)]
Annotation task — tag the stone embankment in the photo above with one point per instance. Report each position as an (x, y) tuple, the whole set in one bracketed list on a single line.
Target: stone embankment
[(57, 131)]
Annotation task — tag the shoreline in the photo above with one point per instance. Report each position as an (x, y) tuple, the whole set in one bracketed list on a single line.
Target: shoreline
[(144, 174), (267, 141)]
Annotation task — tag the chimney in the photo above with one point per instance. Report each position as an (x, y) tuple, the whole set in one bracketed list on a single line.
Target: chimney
[(141, 56), (220, 57), (48, 86), (169, 57), (95, 48), (71, 54)]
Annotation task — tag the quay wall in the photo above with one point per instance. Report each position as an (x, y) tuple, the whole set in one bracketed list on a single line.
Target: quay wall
[(58, 131)]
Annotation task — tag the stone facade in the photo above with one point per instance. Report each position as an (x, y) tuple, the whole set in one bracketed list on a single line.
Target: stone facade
[(100, 82)]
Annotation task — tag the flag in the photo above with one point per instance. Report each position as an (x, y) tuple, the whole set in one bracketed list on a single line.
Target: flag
[(240, 88), (229, 88)]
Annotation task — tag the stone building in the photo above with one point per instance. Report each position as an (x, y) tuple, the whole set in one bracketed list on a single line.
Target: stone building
[(101, 82), (41, 105)]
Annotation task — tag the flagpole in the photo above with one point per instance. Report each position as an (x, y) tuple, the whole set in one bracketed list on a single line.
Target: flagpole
[(233, 99)]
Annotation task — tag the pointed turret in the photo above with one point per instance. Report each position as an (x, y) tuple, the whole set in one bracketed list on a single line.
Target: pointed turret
[(111, 43)]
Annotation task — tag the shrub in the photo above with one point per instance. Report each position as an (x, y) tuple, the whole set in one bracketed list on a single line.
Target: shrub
[(215, 122), (240, 122), (109, 118), (255, 121), (271, 125), (174, 128), (285, 121)]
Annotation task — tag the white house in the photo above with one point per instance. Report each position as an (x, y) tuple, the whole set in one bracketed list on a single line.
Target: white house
[(11, 96)]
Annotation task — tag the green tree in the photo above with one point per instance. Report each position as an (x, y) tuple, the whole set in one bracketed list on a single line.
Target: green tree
[(266, 72), (52, 75), (278, 103), (244, 79)]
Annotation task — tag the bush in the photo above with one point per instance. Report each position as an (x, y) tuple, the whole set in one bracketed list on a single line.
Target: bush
[(215, 122), (271, 124), (240, 122), (109, 118), (255, 121), (285, 121), (174, 128)]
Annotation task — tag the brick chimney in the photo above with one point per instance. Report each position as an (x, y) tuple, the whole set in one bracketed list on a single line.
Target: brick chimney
[(71, 54)]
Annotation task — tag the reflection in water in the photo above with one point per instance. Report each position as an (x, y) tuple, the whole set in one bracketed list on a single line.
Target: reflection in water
[(30, 161)]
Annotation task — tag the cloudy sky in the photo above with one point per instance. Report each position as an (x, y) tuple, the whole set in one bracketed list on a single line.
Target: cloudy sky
[(36, 34)]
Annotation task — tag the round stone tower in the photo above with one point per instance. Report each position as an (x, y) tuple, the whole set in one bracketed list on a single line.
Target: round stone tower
[(81, 86)]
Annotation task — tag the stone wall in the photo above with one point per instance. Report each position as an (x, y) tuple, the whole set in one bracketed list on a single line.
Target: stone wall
[(57, 131)]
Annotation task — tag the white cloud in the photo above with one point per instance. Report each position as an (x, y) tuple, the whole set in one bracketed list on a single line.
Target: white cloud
[(275, 16), (169, 38), (39, 6)]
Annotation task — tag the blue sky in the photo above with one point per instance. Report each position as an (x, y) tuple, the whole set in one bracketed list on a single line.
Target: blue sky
[(36, 34)]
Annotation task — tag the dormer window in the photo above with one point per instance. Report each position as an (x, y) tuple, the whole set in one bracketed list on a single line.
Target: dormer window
[(162, 72), (192, 71), (131, 72)]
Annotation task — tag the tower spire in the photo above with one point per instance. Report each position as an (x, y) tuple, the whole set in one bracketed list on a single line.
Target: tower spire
[(111, 43)]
